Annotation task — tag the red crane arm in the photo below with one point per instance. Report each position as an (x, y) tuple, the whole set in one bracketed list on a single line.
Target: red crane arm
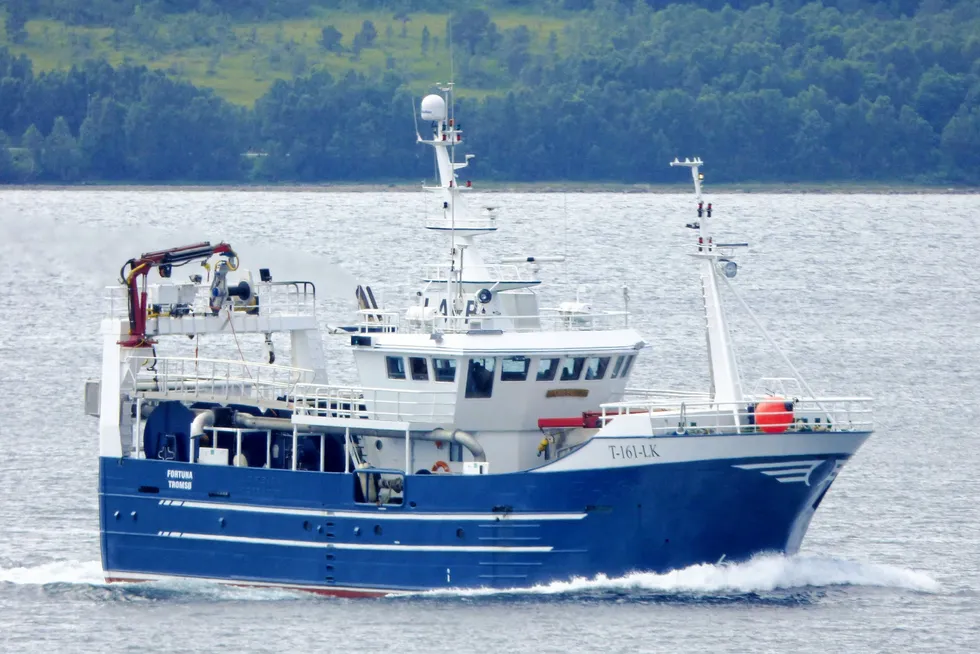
[(138, 268)]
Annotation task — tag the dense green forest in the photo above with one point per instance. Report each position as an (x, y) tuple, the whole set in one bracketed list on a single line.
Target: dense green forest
[(830, 90)]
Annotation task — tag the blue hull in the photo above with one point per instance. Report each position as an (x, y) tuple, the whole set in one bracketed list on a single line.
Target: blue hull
[(304, 529)]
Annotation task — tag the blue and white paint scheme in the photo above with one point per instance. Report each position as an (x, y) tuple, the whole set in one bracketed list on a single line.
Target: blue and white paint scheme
[(491, 443)]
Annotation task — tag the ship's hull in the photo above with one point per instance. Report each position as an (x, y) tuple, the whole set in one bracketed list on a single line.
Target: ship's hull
[(255, 526)]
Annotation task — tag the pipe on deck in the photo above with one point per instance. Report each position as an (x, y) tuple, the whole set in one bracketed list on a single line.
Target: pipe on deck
[(465, 439)]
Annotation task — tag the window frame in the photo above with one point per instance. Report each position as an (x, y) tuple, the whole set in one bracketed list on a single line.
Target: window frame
[(627, 365), (551, 372), (388, 361), (437, 371), (618, 366), (578, 366), (601, 368), (519, 376), (485, 388), (424, 374)]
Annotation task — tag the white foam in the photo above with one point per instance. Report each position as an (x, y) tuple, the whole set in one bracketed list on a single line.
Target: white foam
[(90, 574), (56, 572), (761, 574)]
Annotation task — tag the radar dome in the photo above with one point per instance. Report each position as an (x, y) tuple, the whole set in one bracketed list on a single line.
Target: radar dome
[(433, 108)]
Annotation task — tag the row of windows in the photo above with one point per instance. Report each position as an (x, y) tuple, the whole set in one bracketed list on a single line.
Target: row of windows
[(480, 371)]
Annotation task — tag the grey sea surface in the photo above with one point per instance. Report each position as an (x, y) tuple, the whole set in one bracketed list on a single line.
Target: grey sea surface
[(867, 294)]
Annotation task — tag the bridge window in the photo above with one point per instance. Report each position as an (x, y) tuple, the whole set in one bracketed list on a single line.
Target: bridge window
[(396, 367), (596, 368), (419, 367), (617, 367), (626, 365), (444, 370), (514, 368), (571, 370), (479, 378), (547, 368)]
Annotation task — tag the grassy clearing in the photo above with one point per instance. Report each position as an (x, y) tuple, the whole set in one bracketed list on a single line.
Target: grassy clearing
[(242, 68)]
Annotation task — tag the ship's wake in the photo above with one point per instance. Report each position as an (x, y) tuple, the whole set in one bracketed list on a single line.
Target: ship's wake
[(85, 579), (765, 579)]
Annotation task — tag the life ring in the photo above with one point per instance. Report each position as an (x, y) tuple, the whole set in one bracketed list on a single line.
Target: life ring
[(440, 465)]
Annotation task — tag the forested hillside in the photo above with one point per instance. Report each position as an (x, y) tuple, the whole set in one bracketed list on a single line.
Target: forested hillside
[(580, 90)]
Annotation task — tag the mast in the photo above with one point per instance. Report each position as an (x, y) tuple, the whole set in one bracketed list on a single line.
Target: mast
[(726, 385), (446, 135)]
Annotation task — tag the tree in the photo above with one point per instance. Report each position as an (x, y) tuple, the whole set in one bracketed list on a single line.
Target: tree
[(368, 34), (514, 50), (61, 159), (8, 172), (939, 96), (425, 40), (470, 27), (33, 142), (16, 22), (330, 38), (961, 144), (102, 140)]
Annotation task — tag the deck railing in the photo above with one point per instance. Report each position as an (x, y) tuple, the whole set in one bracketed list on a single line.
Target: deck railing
[(435, 407), (680, 414), (285, 298), (549, 320), (229, 380), (216, 379)]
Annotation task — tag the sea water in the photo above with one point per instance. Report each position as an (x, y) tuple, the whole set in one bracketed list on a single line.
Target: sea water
[(867, 294)]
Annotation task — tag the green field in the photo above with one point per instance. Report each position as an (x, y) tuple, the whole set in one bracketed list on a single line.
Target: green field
[(243, 66)]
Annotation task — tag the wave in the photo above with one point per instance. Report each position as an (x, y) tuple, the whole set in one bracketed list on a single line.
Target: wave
[(762, 574), (86, 578), (55, 572)]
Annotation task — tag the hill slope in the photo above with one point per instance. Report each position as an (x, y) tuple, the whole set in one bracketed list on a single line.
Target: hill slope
[(842, 90)]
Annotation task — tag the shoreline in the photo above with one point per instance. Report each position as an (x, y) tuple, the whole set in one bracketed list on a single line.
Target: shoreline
[(521, 187)]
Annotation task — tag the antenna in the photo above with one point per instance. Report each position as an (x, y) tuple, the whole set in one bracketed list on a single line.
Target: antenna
[(415, 116)]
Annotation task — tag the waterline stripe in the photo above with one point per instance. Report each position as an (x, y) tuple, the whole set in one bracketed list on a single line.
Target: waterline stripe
[(787, 471), (353, 546), (117, 576), (398, 514), (779, 464)]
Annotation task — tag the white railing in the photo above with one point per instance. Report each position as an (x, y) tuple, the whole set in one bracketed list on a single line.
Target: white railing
[(445, 221), (685, 415), (273, 299), (435, 407), (215, 379), (495, 272), (553, 320)]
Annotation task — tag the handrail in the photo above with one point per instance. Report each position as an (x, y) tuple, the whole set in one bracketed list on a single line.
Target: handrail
[(679, 415), (496, 272), (214, 378), (549, 320), (430, 406), (286, 298)]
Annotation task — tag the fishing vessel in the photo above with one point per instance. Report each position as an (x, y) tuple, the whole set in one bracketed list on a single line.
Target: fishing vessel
[(490, 442)]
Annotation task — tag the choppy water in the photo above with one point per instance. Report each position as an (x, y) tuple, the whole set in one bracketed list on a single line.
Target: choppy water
[(867, 294)]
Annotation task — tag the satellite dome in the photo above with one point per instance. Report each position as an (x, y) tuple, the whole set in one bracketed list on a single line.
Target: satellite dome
[(433, 108)]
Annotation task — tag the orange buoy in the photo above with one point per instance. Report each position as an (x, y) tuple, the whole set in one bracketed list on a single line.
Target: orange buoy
[(774, 416)]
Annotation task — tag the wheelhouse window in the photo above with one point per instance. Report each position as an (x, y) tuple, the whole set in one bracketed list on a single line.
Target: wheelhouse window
[(514, 368), (596, 368), (571, 370), (626, 365), (479, 378), (547, 368), (444, 370), (396, 367), (617, 367), (419, 367)]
